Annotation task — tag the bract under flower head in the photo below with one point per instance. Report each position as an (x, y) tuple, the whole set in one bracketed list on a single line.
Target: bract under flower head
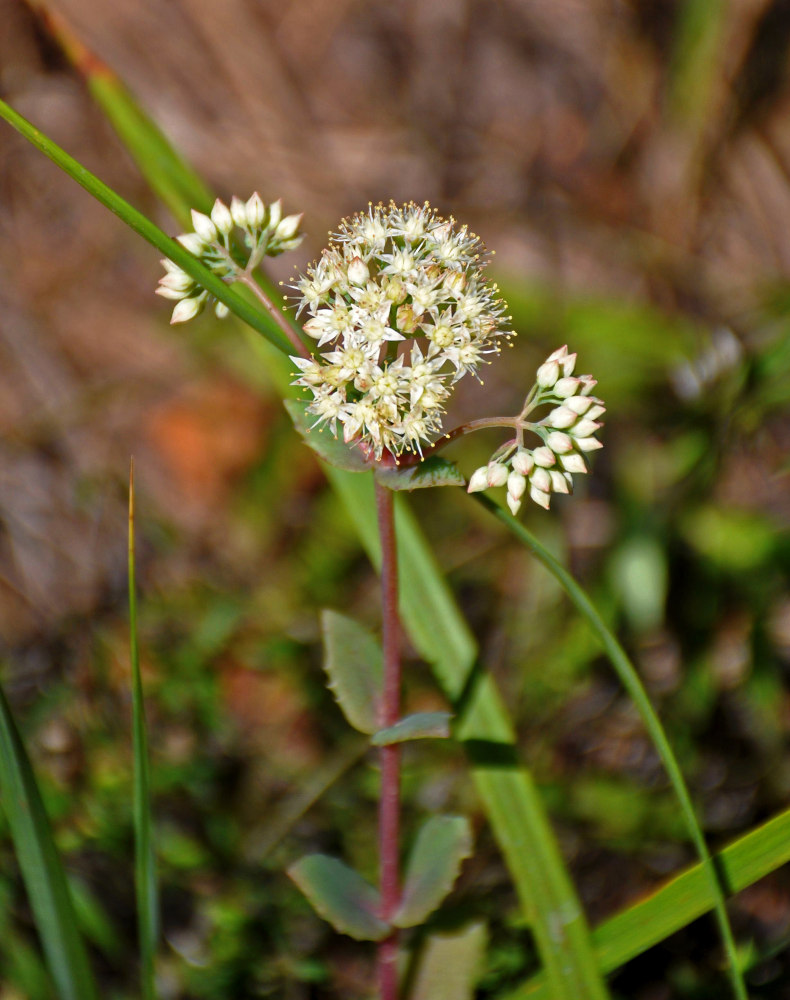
[(400, 300)]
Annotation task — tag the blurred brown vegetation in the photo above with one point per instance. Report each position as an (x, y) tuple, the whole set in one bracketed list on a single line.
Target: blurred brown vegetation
[(632, 152)]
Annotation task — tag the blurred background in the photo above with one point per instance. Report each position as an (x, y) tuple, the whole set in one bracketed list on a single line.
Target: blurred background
[(629, 161)]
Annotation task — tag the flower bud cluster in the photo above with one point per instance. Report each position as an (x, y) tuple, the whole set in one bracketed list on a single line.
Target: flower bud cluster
[(264, 232), (567, 434), (400, 300)]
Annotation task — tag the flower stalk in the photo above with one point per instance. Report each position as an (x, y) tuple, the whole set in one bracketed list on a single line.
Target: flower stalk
[(389, 756)]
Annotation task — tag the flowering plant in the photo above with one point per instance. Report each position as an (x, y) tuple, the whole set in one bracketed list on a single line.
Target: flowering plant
[(400, 300), (447, 320)]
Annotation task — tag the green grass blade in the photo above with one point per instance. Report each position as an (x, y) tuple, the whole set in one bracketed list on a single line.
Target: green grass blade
[(630, 680), (171, 179), (169, 175), (144, 859), (41, 867), (684, 898), (506, 788), (153, 234)]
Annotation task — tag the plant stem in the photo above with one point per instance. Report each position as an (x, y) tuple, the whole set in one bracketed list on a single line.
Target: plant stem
[(274, 312), (389, 712)]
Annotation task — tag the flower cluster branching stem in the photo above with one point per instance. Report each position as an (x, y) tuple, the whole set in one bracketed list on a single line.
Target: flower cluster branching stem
[(246, 278), (389, 712)]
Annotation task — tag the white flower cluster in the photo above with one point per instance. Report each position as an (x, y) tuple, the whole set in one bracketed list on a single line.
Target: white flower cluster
[(265, 234), (400, 298), (567, 432)]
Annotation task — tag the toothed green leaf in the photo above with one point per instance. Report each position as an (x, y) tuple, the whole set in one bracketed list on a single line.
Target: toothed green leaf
[(353, 664), (420, 726), (450, 964), (323, 442), (434, 471), (433, 866), (341, 896)]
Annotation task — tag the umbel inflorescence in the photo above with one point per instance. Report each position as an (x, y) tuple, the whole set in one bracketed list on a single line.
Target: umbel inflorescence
[(399, 309), (400, 299)]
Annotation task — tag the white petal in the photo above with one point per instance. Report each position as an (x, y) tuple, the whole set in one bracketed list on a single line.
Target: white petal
[(185, 310), (478, 480), (204, 227)]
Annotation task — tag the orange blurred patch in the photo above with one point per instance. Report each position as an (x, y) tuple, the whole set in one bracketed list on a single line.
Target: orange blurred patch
[(207, 436), (271, 715)]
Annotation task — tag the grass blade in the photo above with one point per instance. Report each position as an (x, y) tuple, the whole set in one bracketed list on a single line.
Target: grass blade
[(148, 230), (630, 680), (41, 867), (169, 175), (144, 859), (684, 898)]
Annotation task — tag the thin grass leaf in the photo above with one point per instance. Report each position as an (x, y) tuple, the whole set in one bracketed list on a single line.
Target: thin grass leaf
[(41, 867), (699, 38), (443, 638), (153, 234), (144, 859), (630, 680), (169, 175), (678, 902), (97, 927)]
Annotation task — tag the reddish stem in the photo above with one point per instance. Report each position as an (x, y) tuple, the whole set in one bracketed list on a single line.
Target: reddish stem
[(389, 712)]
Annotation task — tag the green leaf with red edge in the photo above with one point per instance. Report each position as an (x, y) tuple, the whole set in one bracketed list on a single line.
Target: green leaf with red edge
[(353, 663), (341, 896), (433, 866), (420, 726), (434, 471), (323, 442)]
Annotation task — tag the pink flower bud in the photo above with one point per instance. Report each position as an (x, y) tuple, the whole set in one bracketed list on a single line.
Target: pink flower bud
[(497, 474)]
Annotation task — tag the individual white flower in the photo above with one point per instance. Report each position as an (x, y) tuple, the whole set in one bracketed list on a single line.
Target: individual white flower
[(523, 462), (547, 374), (221, 217), (287, 228), (516, 484), (192, 242), (204, 227), (255, 211), (559, 443), (358, 272), (478, 480), (407, 289), (496, 474), (186, 309), (544, 457)]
